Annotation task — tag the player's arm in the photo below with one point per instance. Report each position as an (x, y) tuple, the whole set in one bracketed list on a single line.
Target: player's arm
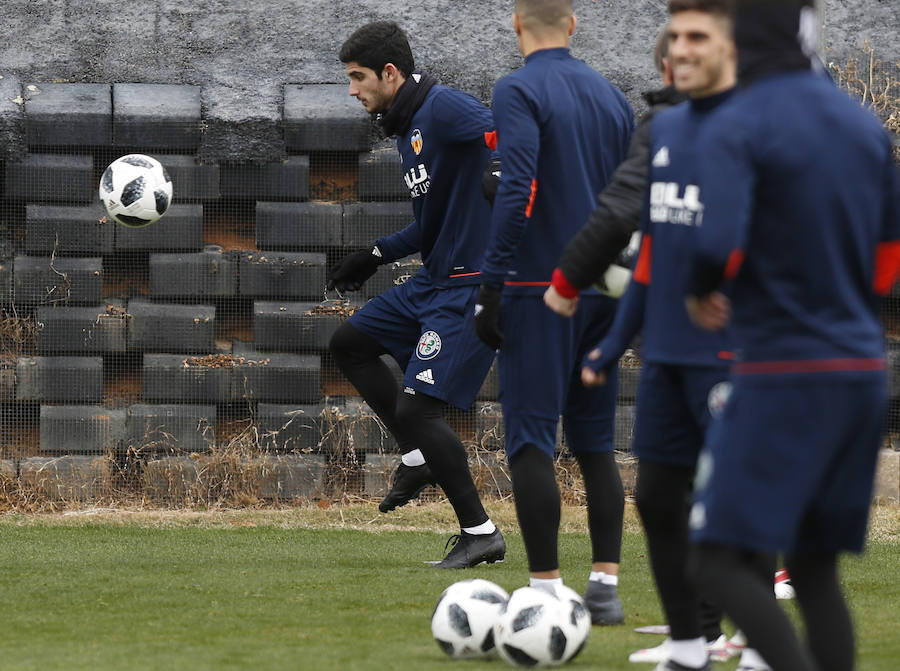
[(518, 141), (727, 184), (402, 243), (887, 255), (610, 226), (461, 117), (518, 136), (628, 321)]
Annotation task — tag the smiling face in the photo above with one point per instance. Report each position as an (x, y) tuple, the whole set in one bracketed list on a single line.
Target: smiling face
[(702, 53), (376, 94)]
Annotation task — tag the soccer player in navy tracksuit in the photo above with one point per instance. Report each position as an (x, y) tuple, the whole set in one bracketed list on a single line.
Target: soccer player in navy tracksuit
[(683, 383), (802, 211), (423, 323), (562, 130)]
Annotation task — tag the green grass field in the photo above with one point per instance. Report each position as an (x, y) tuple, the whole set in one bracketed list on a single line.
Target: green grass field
[(342, 588)]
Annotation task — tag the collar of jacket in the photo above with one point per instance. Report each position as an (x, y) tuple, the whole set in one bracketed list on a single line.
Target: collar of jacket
[(407, 102)]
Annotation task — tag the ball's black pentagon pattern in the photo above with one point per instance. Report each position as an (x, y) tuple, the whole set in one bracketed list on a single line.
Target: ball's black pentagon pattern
[(131, 220), (527, 617), (133, 190), (162, 201), (488, 596), (520, 657), (106, 182), (446, 646), (558, 643), (459, 621), (488, 643), (138, 161), (578, 611)]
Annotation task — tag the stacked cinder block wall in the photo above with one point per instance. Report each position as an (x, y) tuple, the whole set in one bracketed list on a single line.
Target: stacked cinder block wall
[(176, 337)]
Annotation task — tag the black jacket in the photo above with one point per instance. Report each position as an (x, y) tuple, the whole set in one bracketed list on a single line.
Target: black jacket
[(619, 206)]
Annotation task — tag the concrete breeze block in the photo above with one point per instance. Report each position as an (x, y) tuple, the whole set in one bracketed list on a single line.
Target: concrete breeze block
[(391, 274), (171, 327), (12, 116), (158, 116), (286, 275), (353, 426), (61, 379), (200, 274), (44, 280), (284, 326), (51, 178), (167, 428), (290, 428), (291, 226), (180, 229), (280, 180), (67, 478), (284, 477), (366, 222), (191, 179), (68, 114), (323, 117), (81, 429), (8, 378), (83, 330), (71, 230), (380, 175), (275, 377), (180, 377), (378, 470)]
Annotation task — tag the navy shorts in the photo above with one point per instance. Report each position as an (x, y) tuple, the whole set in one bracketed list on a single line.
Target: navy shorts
[(675, 405), (430, 333), (791, 464), (540, 375)]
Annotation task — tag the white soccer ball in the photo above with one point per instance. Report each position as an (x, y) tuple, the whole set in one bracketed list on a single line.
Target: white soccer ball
[(464, 617), (136, 190), (541, 629)]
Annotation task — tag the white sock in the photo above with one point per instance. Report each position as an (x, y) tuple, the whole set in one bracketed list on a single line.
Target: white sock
[(481, 530), (690, 652), (546, 584), (605, 578), (414, 458), (751, 658), (739, 638)]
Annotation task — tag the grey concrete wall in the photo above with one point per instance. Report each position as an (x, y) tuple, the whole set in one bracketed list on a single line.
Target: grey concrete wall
[(242, 52)]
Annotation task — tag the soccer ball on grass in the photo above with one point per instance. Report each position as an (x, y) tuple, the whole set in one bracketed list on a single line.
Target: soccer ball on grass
[(136, 190), (537, 628), (463, 619)]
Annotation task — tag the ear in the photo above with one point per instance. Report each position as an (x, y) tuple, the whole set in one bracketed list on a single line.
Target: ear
[(390, 72), (517, 24), (572, 23), (667, 77)]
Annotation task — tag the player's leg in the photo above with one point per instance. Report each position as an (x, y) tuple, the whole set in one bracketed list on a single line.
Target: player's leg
[(357, 347), (421, 422), (741, 581), (532, 387), (589, 425), (448, 365), (829, 628)]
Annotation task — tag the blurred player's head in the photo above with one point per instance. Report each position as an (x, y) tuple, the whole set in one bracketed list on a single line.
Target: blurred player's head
[(701, 48), (661, 56), (378, 60), (774, 36), (543, 24)]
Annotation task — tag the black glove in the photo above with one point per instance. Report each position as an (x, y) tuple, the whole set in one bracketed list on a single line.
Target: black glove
[(487, 316), (349, 273), (490, 180)]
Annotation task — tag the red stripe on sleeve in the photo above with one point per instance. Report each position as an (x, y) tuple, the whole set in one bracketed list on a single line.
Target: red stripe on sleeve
[(642, 267), (735, 260), (530, 205), (563, 287), (490, 139), (887, 267)]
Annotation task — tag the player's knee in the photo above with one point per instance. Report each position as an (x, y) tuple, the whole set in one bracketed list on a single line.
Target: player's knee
[(418, 407), (342, 341)]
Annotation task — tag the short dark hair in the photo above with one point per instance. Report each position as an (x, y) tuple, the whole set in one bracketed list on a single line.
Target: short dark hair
[(724, 8), (377, 44), (661, 51)]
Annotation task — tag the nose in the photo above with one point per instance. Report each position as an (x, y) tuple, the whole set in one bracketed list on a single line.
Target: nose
[(354, 91)]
